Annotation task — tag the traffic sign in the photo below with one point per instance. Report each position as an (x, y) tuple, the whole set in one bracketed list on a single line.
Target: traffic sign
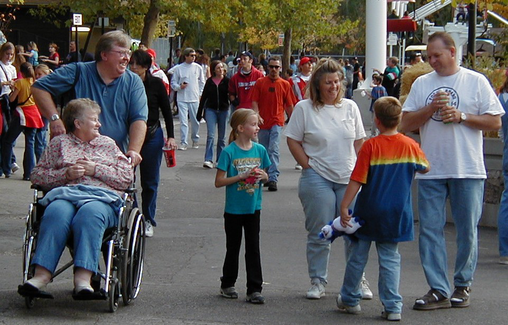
[(77, 19)]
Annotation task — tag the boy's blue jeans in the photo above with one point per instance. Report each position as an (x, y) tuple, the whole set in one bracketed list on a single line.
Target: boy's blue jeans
[(389, 274)]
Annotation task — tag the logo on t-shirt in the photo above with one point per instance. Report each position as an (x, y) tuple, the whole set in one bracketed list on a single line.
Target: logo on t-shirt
[(454, 100)]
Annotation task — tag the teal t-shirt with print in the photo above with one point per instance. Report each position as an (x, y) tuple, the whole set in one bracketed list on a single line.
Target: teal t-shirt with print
[(243, 197)]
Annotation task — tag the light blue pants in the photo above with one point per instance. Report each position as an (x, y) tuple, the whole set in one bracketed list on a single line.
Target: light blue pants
[(466, 199), (186, 111), (87, 225), (321, 200), (270, 139), (215, 118), (389, 274)]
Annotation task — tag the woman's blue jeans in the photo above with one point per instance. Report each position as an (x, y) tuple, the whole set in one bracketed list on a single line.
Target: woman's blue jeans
[(87, 224), (215, 117), (15, 129), (321, 200), (149, 170), (466, 201)]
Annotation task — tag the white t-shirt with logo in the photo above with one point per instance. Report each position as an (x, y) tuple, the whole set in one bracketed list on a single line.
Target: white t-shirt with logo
[(327, 136), (453, 150)]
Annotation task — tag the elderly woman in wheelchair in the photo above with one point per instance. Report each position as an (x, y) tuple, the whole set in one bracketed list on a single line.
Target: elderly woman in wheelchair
[(85, 175)]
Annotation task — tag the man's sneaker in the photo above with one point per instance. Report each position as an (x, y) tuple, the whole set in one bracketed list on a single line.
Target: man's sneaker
[(148, 229), (298, 167), (316, 291), (432, 300), (348, 309), (503, 260), (460, 297), (272, 187), (394, 317), (255, 298), (208, 164), (182, 147), (229, 293), (195, 145), (366, 292), (14, 168)]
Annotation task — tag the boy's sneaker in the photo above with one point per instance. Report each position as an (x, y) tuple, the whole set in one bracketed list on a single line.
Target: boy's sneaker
[(255, 298), (182, 147), (460, 297), (148, 229), (503, 260), (366, 292), (14, 168), (229, 293), (316, 291), (348, 309), (195, 145), (432, 300), (394, 317)]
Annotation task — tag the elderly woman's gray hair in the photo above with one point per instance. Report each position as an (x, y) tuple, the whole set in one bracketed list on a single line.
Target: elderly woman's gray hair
[(76, 109)]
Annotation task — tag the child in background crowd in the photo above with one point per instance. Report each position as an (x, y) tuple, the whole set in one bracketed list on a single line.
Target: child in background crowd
[(384, 171), (241, 168), (40, 136), (377, 92)]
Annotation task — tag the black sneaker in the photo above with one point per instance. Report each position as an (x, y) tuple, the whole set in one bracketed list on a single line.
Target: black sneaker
[(229, 293), (255, 298), (432, 300), (460, 297), (272, 187)]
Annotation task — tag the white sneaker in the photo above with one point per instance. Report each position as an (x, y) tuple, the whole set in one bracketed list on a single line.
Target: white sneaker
[(394, 317), (182, 147), (316, 291), (208, 164), (348, 309), (195, 145), (366, 293), (298, 167), (14, 168), (148, 229)]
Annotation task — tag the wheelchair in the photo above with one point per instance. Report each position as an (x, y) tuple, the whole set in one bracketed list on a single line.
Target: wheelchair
[(123, 249)]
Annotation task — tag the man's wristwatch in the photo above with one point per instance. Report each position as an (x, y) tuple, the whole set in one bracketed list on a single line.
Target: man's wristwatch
[(55, 117), (463, 117)]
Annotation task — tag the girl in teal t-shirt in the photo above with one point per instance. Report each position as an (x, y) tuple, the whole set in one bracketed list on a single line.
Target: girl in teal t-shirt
[(241, 168)]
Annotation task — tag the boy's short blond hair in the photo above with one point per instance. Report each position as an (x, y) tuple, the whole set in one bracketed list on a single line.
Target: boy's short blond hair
[(388, 111)]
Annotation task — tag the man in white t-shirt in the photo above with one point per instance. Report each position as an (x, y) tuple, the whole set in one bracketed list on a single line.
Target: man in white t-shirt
[(451, 106), (188, 81)]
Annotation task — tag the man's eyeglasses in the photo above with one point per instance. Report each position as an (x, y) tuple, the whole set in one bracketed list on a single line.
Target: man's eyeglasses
[(125, 54), (192, 55), (274, 66)]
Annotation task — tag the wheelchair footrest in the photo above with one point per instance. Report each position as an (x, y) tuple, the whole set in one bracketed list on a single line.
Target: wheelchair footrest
[(87, 295)]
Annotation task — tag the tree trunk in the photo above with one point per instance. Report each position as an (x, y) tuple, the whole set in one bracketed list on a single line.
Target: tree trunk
[(288, 33), (150, 23)]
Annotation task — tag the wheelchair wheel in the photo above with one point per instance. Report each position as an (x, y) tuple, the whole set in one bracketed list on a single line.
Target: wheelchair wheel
[(133, 259), (114, 292), (29, 243)]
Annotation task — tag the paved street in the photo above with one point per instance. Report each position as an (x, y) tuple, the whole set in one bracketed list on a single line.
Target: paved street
[(184, 258)]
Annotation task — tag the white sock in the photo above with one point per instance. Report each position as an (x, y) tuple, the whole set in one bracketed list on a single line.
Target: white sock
[(39, 284)]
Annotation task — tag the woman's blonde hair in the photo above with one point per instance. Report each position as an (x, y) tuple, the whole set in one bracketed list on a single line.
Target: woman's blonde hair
[(324, 67), (44, 68), (238, 118)]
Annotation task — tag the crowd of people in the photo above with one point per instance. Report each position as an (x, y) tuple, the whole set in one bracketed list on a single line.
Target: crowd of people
[(343, 172)]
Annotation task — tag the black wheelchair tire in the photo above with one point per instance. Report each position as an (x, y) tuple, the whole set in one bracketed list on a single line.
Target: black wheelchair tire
[(133, 259)]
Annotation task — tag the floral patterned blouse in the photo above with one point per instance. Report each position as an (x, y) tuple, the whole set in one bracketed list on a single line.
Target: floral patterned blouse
[(112, 170)]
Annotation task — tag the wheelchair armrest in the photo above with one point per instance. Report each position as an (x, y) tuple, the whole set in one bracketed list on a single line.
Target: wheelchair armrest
[(36, 187), (131, 190)]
